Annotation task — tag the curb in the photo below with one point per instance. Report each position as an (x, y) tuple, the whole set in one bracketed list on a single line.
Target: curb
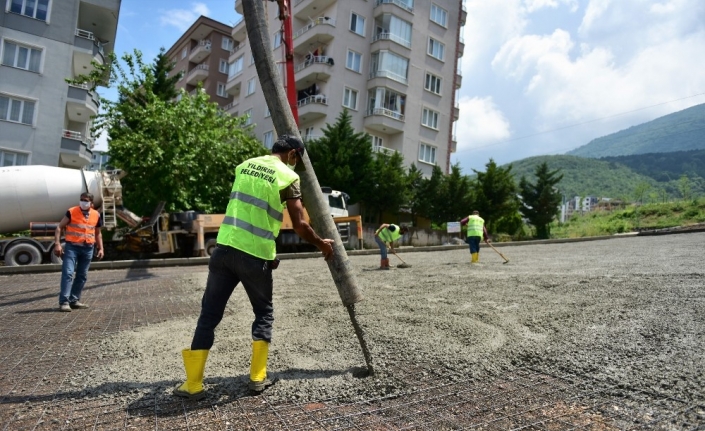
[(194, 261)]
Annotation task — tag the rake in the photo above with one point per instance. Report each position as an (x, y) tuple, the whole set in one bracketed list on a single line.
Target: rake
[(403, 264)]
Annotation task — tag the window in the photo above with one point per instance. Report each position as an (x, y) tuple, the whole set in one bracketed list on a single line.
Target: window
[(277, 39), (248, 117), (10, 158), (354, 61), (267, 113), (252, 59), (20, 56), (389, 65), (308, 134), (268, 139), (357, 24), (251, 85), (393, 28), (182, 74), (439, 15), (436, 49), (16, 110), (37, 9), (377, 143), (184, 52), (223, 67), (429, 118), (220, 90), (432, 83), (235, 67), (350, 98), (427, 154), (227, 44)]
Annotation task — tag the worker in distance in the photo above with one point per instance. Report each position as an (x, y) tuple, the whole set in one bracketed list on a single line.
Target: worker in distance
[(245, 253)]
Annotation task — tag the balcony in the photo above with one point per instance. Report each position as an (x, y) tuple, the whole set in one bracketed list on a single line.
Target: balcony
[(320, 30), (381, 149), (456, 113), (197, 74), (234, 84), (303, 9), (313, 69), (399, 8), (236, 52), (458, 79), (312, 108), (461, 47), (463, 14), (384, 120), (231, 107), (310, 137), (75, 152), (200, 52), (453, 144), (87, 49), (390, 37), (81, 104), (385, 74)]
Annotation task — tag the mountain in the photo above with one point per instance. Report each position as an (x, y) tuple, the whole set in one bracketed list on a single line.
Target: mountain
[(583, 176), (680, 131)]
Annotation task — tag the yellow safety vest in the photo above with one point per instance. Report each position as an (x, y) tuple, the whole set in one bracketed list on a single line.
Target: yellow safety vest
[(389, 236), (475, 224), (255, 211)]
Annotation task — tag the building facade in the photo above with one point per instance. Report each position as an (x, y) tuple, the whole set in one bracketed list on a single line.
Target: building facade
[(43, 119), (394, 64), (201, 56)]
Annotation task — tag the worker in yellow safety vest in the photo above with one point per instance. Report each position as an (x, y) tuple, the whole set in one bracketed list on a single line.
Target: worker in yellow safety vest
[(388, 234), (245, 253), (476, 230)]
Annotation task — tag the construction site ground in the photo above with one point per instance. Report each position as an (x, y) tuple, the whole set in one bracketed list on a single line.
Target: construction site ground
[(596, 335)]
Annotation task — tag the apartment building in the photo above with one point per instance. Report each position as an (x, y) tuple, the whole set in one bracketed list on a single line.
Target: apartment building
[(394, 64), (201, 56), (44, 120)]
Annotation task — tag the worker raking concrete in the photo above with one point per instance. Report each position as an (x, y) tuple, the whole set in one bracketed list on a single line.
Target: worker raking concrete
[(476, 231), (388, 234), (245, 253)]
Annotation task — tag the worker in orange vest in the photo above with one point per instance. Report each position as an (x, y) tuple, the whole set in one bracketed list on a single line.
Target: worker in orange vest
[(82, 224)]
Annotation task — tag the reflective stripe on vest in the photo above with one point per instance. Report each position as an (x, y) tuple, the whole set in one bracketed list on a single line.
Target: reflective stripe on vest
[(82, 232), (475, 224), (389, 236), (255, 211)]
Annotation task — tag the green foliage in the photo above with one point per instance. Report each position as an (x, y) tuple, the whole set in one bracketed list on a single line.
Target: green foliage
[(680, 131), (343, 159), (413, 195), (388, 184), (182, 152), (164, 86), (650, 216), (495, 194), (586, 177), (541, 200)]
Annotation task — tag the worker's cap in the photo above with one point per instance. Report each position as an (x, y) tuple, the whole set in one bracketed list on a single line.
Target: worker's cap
[(287, 143)]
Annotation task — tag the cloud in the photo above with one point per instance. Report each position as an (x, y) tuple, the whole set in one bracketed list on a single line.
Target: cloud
[(183, 18), (568, 82), (481, 123), (534, 5)]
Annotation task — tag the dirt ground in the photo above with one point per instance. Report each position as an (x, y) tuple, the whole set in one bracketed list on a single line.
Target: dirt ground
[(624, 311)]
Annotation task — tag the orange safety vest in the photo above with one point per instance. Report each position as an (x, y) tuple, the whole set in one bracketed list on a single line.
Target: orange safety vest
[(82, 232)]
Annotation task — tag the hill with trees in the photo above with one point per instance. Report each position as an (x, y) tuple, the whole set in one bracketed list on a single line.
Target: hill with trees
[(680, 131)]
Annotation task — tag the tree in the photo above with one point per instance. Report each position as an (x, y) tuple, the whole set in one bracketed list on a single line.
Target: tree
[(164, 86), (541, 199), (181, 152), (343, 159), (495, 193), (388, 181), (413, 195)]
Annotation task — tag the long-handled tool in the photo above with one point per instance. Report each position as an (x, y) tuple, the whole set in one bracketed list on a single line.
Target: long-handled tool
[(503, 257), (403, 264)]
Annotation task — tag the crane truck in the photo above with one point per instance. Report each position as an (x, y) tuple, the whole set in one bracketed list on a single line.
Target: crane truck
[(33, 199)]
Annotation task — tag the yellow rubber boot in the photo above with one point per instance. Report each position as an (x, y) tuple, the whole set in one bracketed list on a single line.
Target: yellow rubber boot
[(475, 257), (258, 366), (194, 364)]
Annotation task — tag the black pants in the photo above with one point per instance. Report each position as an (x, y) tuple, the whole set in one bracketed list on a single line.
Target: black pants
[(228, 267)]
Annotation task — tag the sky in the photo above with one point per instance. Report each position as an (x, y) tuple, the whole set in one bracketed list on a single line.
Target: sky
[(539, 76)]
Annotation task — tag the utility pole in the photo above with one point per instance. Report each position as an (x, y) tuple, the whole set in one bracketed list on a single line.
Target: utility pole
[(340, 267)]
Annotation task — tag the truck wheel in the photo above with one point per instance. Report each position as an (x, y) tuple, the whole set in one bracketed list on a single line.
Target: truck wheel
[(23, 254), (210, 246), (54, 258)]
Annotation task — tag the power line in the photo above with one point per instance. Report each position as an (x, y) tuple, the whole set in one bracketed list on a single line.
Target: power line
[(578, 124)]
